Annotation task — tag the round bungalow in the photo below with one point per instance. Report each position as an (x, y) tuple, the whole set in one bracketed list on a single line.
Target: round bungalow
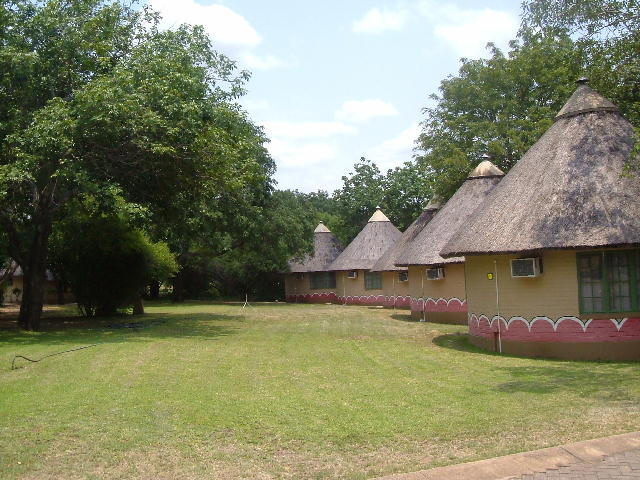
[(552, 260), (437, 285), (310, 280), (395, 279), (356, 283)]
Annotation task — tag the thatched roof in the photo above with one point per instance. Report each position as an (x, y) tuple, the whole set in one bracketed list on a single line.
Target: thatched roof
[(567, 191), (374, 239), (387, 261), (425, 247), (326, 249)]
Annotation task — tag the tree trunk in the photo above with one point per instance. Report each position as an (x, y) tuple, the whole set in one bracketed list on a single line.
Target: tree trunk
[(154, 290), (59, 292), (34, 276), (138, 306), (178, 287)]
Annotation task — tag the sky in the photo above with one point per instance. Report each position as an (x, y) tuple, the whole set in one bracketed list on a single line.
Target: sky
[(334, 81)]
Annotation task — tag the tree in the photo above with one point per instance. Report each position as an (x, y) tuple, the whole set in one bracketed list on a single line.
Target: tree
[(407, 190), (107, 263), (361, 192), (95, 97), (608, 32), (496, 107)]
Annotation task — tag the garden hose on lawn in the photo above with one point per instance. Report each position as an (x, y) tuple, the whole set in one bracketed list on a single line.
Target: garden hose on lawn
[(132, 325), (13, 362)]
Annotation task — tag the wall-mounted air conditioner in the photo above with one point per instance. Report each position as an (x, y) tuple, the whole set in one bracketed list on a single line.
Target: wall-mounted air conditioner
[(435, 273), (352, 274), (526, 267), (403, 276)]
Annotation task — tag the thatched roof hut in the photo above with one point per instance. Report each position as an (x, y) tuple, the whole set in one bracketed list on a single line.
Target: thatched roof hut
[(378, 235), (326, 248), (425, 247), (387, 261), (567, 191)]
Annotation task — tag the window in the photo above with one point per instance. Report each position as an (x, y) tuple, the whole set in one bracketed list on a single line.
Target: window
[(609, 281), (403, 276), (323, 280), (372, 280)]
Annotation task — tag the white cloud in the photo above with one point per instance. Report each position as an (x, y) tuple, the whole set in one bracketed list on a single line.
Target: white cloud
[(359, 111), (377, 21), (266, 62), (302, 130), (293, 154), (395, 151), (223, 24), (252, 105), (467, 31)]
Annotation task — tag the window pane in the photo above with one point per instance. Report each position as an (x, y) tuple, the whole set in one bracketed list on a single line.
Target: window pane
[(323, 280), (618, 266), (591, 282), (372, 280)]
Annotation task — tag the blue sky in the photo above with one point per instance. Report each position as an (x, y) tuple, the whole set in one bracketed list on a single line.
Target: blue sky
[(336, 80)]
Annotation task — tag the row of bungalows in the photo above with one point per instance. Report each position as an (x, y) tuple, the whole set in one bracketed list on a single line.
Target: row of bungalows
[(542, 261)]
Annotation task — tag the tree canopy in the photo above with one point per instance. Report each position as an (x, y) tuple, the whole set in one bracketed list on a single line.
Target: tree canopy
[(95, 98)]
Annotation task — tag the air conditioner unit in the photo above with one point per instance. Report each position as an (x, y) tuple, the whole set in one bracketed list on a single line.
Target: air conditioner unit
[(435, 273), (526, 267), (352, 274), (403, 276)]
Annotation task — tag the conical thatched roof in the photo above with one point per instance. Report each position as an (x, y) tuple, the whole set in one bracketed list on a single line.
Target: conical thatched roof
[(567, 191), (374, 239), (326, 249), (425, 247), (387, 261)]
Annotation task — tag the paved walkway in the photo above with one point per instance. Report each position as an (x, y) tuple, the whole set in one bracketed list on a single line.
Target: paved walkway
[(621, 466), (616, 457)]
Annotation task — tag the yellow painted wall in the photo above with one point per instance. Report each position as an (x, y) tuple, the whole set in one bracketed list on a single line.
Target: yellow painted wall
[(553, 294), (50, 293), (302, 286), (392, 286), (355, 286), (452, 285)]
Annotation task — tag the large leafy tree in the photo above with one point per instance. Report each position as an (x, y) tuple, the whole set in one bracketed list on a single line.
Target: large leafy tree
[(94, 97), (496, 108), (361, 192), (608, 32)]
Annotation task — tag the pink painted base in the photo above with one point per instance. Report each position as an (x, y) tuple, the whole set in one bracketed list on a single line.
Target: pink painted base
[(564, 329), (451, 305), (369, 300)]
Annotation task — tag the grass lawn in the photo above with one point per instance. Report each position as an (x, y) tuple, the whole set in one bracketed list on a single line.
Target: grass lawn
[(286, 391)]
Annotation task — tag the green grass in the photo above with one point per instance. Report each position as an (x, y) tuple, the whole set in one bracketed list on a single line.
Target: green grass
[(286, 391)]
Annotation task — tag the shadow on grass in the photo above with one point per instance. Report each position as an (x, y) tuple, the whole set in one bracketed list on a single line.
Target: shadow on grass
[(604, 380), (404, 317), (150, 327), (611, 382)]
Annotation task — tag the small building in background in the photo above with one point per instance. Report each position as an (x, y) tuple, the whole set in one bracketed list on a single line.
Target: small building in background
[(552, 257), (436, 284), (13, 287), (395, 279), (310, 279), (356, 283)]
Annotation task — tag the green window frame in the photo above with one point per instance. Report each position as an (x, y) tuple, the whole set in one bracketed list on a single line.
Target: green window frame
[(609, 281), (320, 280), (372, 280)]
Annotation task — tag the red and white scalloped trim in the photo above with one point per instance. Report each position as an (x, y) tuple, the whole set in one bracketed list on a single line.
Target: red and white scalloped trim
[(562, 329), (453, 304)]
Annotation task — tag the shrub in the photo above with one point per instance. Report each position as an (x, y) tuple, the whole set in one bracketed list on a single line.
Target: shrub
[(108, 263)]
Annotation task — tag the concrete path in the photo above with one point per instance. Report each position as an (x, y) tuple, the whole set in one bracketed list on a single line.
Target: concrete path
[(616, 457), (620, 466)]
